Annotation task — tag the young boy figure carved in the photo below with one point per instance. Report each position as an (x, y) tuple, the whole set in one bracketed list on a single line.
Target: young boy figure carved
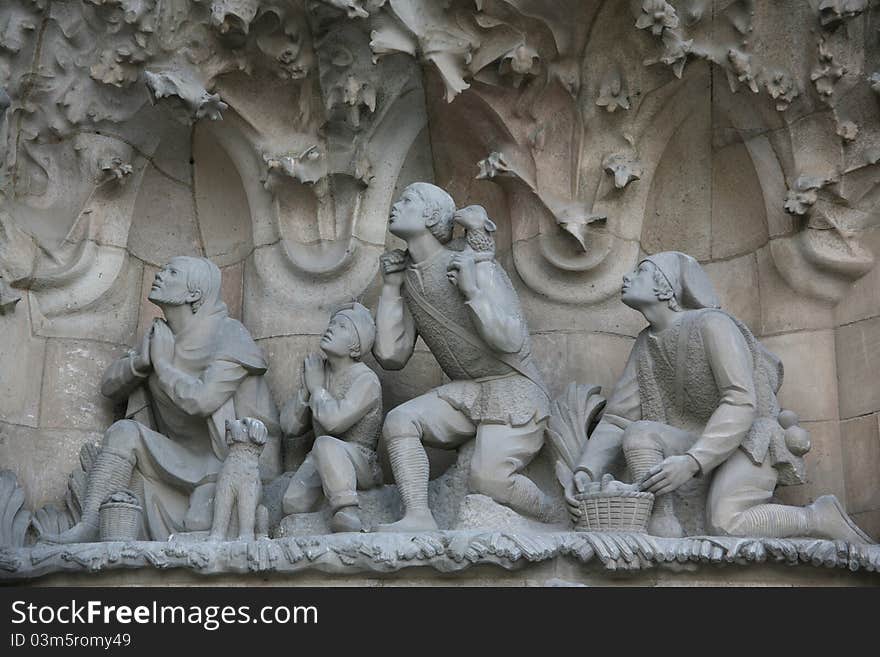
[(698, 398), (340, 399), (466, 310)]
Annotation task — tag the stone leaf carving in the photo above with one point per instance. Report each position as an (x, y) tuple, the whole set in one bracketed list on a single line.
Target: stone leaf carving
[(740, 70), (421, 26), (657, 15), (804, 194), (827, 71), (464, 44), (832, 13), (309, 166), (352, 8), (286, 42), (54, 519), (184, 86), (349, 79), (848, 131), (114, 169), (782, 88), (574, 219), (624, 167), (234, 17), (572, 216), (612, 94)]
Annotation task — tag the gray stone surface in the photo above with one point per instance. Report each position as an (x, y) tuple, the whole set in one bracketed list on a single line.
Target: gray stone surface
[(281, 159), (824, 465), (810, 362), (19, 350), (72, 384), (858, 351), (860, 444), (42, 459)]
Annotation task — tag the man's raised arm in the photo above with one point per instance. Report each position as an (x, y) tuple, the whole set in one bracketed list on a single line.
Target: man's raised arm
[(201, 396), (395, 328), (495, 308)]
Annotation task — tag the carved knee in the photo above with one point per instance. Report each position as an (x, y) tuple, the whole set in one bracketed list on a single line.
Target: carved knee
[(721, 520), (122, 437), (399, 423), (643, 434), (325, 446), (491, 482)]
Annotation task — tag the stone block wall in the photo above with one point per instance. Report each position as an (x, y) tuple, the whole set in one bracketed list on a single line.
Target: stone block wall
[(857, 323)]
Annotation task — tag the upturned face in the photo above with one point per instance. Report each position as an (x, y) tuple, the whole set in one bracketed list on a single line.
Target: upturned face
[(637, 291), (339, 337), (170, 286), (407, 215)]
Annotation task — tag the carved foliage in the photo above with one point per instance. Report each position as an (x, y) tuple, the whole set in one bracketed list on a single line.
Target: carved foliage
[(572, 418)]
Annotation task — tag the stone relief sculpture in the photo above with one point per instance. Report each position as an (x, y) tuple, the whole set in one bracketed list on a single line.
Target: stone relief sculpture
[(339, 404), (195, 371), (239, 485), (698, 398), (575, 136), (468, 314)]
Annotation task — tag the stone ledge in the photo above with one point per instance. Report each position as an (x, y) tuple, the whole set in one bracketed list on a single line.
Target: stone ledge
[(442, 552)]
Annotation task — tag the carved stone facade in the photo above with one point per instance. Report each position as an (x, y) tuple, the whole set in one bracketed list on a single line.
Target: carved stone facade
[(273, 136)]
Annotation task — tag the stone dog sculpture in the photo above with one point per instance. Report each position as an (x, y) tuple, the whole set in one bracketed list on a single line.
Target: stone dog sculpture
[(698, 398), (239, 487), (194, 371), (340, 400), (468, 313)]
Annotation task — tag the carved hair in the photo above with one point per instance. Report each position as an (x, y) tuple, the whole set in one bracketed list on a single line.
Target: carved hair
[(663, 289), (202, 276), (439, 210)]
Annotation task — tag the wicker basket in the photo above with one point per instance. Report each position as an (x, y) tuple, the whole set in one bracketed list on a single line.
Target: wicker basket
[(614, 512), (120, 517)]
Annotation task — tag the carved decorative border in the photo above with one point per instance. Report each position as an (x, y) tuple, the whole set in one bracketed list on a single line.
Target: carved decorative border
[(445, 552)]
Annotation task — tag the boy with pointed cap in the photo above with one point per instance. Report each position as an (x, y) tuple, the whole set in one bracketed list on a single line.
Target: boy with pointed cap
[(340, 400)]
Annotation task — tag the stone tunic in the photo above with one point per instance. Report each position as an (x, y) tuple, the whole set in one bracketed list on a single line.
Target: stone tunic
[(348, 407), (724, 393), (484, 386)]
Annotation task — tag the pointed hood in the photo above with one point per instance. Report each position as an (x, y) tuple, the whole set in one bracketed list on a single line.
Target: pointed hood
[(689, 282)]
